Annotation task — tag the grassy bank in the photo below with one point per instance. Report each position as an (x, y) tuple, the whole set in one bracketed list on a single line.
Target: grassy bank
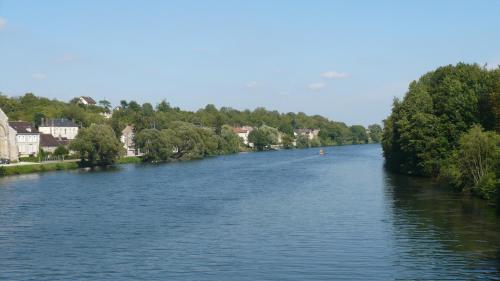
[(45, 167), (36, 168), (129, 160)]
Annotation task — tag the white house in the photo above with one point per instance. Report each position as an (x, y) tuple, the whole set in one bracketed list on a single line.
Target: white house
[(127, 138), (309, 133), (59, 128), (243, 133), (86, 100), (8, 147), (27, 138)]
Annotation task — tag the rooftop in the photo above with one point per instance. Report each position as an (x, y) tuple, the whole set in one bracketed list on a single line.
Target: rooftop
[(59, 122), (23, 127), (89, 100), (47, 140)]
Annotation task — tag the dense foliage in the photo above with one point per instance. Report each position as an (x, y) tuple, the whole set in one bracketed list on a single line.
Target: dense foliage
[(185, 141), (96, 145), (164, 133), (475, 163), (32, 109), (429, 131), (264, 137)]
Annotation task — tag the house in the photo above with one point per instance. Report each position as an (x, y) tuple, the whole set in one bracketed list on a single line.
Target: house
[(309, 133), (27, 138), (106, 115), (49, 143), (127, 139), (86, 100), (8, 146), (244, 132), (59, 128)]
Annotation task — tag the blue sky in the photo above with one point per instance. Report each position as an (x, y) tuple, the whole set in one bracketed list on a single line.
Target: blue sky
[(342, 59)]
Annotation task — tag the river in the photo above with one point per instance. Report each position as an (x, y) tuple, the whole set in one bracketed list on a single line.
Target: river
[(282, 215)]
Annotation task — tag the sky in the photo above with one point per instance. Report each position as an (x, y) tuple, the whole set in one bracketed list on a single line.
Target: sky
[(345, 60)]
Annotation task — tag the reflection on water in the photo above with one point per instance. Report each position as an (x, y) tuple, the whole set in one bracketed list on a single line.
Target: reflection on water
[(434, 223), (284, 215)]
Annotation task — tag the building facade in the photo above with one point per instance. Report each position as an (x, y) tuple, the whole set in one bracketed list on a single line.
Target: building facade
[(309, 133), (8, 147), (27, 138), (127, 138), (59, 128), (243, 133)]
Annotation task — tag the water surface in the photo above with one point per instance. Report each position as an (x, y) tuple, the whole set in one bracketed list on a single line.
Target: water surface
[(285, 215)]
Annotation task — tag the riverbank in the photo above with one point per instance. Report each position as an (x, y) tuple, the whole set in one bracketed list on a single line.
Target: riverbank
[(22, 168), (28, 168), (37, 167)]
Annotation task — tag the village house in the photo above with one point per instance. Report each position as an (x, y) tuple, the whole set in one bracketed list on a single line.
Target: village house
[(106, 115), (309, 133), (59, 128), (27, 138), (127, 138), (8, 147), (49, 143), (243, 133), (86, 100)]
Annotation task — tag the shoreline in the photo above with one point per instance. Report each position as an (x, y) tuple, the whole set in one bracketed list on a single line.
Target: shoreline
[(23, 168)]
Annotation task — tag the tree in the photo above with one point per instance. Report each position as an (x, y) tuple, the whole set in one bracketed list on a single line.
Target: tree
[(106, 104), (476, 163), (97, 145), (287, 141), (359, 134), (303, 141), (61, 150), (186, 140), (315, 142), (229, 142), (437, 110), (263, 137), (375, 132), (154, 144)]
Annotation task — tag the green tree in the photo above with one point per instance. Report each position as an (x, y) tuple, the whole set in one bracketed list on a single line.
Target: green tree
[(263, 137), (359, 134), (61, 150), (303, 141), (154, 144), (476, 163), (375, 132), (105, 104), (229, 142), (315, 142), (287, 141), (97, 145), (428, 123)]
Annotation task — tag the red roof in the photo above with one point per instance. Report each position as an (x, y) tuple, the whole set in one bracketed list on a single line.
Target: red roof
[(240, 130)]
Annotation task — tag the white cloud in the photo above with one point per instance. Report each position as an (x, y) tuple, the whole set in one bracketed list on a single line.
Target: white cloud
[(3, 22), (316, 86), (251, 84), (334, 75), (39, 76)]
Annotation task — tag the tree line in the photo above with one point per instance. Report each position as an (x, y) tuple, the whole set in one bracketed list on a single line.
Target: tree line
[(164, 132), (447, 126)]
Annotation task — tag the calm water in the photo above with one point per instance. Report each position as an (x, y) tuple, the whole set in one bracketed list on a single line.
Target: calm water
[(286, 215)]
